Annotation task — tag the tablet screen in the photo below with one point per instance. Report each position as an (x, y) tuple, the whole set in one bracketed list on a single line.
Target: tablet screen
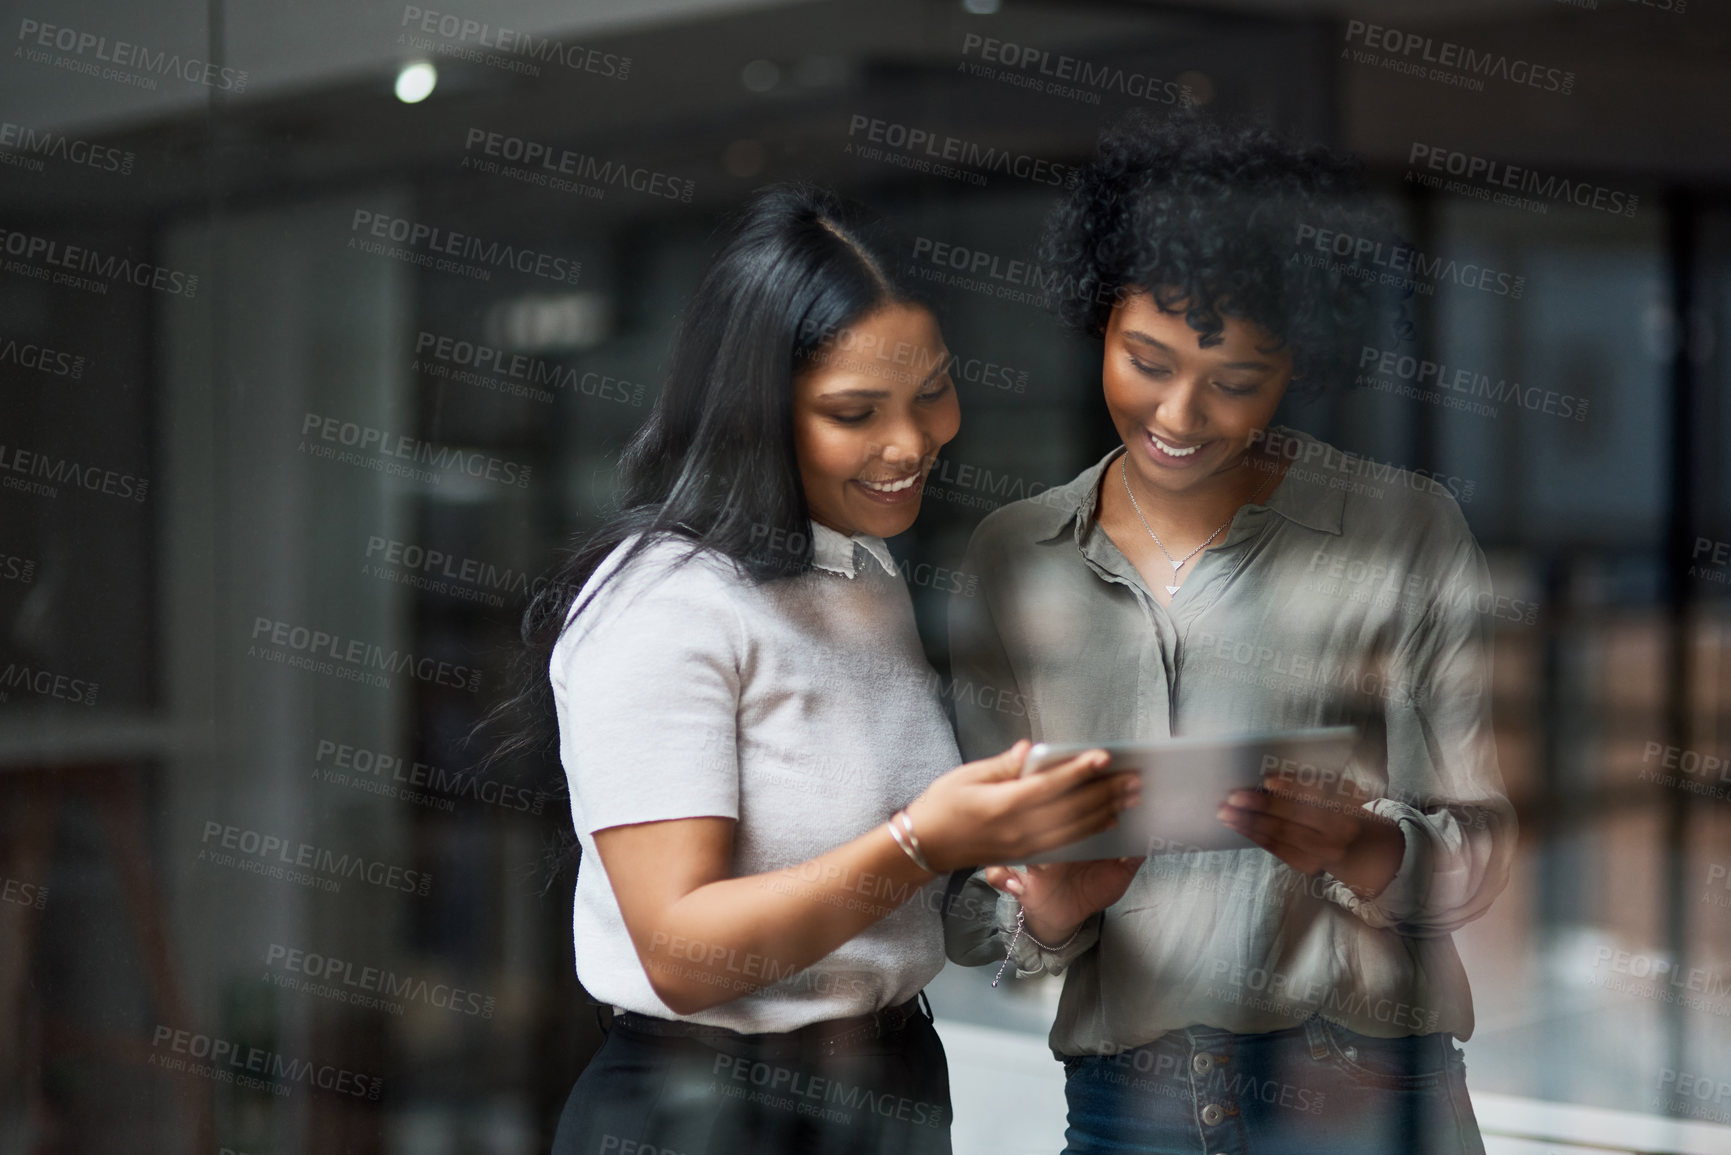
[(1185, 780)]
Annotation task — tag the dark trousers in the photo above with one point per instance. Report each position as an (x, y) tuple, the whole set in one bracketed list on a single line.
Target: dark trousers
[(646, 1094)]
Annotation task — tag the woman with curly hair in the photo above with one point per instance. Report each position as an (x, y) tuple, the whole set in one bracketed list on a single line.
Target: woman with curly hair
[(1216, 575)]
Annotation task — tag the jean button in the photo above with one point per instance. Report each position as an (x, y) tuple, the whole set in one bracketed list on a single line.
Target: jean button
[(1212, 1115), (1351, 1054), (1201, 1064)]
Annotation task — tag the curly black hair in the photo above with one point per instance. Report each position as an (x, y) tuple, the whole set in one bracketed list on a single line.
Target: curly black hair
[(1206, 218)]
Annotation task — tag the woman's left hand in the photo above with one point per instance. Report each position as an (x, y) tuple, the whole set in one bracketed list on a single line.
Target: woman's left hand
[(1312, 831), (1058, 897)]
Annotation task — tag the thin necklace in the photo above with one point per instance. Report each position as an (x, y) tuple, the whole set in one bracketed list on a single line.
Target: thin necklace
[(1123, 472)]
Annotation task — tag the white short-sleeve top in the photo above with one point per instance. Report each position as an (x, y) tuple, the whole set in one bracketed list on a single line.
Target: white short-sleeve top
[(802, 707)]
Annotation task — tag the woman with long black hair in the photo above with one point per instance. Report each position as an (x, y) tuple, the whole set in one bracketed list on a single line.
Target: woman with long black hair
[(760, 767)]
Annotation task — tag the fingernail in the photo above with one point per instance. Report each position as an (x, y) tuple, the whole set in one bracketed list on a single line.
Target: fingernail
[(1013, 885)]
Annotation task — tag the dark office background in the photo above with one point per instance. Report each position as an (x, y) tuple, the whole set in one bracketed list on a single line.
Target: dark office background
[(178, 518)]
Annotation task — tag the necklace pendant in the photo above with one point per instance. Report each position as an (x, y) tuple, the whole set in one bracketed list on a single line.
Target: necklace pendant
[(1172, 589)]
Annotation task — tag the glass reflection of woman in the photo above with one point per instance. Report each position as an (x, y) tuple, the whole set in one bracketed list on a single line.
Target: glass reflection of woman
[(1216, 575), (756, 753)]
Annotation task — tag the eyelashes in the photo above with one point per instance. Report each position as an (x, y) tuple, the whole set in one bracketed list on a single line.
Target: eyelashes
[(1159, 371), (930, 395)]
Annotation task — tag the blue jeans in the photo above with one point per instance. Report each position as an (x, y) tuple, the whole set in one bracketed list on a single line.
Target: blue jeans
[(1317, 1089)]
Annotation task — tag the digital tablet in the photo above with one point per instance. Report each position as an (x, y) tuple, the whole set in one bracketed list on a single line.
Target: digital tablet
[(1185, 781)]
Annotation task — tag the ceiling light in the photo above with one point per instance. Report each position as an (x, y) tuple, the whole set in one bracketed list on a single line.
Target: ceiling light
[(416, 80)]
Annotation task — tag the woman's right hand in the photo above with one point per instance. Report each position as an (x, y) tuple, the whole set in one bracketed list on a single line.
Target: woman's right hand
[(986, 812)]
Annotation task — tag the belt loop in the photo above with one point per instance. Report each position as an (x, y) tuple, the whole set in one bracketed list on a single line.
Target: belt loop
[(1316, 1034), (606, 1024), (926, 1006)]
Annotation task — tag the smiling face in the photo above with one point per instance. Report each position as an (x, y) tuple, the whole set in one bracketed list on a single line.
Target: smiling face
[(870, 413), (1187, 413)]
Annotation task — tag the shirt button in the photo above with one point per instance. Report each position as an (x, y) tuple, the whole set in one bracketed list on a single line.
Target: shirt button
[(1212, 1115), (1201, 1063)]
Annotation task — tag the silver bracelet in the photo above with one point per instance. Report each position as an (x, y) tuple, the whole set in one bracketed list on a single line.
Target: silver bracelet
[(913, 839), (1010, 952), (909, 844)]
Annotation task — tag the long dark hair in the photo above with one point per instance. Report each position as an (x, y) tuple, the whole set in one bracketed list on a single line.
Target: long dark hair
[(714, 464)]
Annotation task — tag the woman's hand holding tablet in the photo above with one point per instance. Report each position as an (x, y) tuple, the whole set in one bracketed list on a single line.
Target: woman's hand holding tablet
[(988, 811), (1312, 827)]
